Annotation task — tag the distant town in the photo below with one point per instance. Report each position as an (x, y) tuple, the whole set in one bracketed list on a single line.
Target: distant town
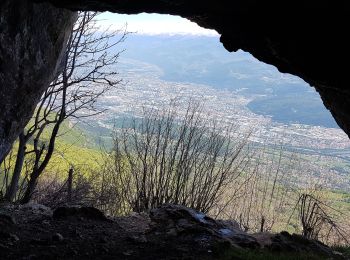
[(325, 150)]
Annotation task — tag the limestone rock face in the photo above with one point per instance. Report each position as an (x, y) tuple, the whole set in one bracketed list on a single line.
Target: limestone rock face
[(32, 38)]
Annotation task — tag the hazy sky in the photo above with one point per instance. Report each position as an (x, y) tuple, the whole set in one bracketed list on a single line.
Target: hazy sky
[(154, 24)]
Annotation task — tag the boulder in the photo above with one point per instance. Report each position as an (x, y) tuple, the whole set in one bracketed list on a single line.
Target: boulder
[(78, 212), (57, 237), (177, 220), (6, 220), (36, 209), (31, 212)]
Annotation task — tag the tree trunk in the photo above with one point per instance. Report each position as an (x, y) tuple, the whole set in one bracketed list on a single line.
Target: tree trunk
[(13, 188), (37, 171), (30, 188), (69, 185)]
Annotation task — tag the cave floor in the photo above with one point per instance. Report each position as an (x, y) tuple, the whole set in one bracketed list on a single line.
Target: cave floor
[(36, 234)]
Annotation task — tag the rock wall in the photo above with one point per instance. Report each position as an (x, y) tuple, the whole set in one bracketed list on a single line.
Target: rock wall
[(305, 38), (32, 38)]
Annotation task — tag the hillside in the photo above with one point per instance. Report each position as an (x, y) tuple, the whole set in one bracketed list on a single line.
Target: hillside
[(234, 88), (203, 60), (74, 148)]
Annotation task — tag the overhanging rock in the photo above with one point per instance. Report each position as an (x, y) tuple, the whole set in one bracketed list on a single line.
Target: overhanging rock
[(32, 37)]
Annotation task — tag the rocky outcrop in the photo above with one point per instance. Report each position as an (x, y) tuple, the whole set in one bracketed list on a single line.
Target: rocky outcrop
[(189, 224), (169, 232), (78, 212), (32, 38), (195, 228)]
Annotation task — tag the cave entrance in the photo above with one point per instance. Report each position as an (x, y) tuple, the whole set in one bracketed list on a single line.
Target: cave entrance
[(178, 55), (169, 57)]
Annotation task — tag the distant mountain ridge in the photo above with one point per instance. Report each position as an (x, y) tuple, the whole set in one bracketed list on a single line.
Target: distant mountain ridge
[(203, 60)]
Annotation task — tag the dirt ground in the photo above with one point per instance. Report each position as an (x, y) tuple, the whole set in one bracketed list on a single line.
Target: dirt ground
[(39, 236), (169, 232)]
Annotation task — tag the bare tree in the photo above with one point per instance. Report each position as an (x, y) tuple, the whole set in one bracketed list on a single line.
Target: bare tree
[(319, 220), (164, 157), (261, 197), (87, 72), (5, 170)]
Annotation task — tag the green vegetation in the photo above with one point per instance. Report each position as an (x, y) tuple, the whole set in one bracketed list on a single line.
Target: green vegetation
[(345, 250), (73, 148)]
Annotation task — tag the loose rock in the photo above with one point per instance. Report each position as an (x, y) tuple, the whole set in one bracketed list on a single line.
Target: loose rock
[(79, 212), (57, 237)]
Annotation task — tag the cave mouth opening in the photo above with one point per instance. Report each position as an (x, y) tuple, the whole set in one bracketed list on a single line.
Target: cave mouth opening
[(180, 59), (268, 31), (192, 64), (183, 52), (159, 65)]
